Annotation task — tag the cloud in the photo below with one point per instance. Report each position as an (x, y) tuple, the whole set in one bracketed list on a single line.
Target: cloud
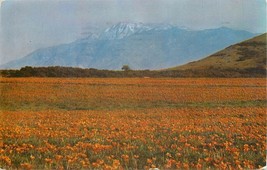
[(1, 1)]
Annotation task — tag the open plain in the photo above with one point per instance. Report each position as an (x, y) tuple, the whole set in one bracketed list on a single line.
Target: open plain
[(132, 123)]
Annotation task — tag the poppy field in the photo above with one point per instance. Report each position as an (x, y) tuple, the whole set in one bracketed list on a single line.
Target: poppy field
[(132, 123)]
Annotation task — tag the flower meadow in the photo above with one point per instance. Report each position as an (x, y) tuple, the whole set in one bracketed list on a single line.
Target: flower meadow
[(132, 123)]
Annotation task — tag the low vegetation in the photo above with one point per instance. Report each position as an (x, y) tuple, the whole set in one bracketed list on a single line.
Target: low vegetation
[(79, 72)]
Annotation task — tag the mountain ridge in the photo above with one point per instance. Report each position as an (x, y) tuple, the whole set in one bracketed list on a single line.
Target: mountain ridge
[(142, 46)]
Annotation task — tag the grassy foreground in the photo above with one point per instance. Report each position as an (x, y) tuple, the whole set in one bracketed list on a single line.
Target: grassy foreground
[(49, 123)]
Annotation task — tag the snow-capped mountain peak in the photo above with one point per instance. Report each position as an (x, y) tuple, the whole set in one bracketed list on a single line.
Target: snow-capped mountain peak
[(144, 46), (124, 29)]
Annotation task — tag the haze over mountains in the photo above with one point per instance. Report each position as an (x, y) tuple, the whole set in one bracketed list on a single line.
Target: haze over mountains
[(141, 46)]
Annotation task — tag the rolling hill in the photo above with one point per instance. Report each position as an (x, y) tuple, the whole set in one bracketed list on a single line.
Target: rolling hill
[(141, 46), (244, 56)]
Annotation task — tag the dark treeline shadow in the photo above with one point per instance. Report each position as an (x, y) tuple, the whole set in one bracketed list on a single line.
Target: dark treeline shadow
[(58, 71)]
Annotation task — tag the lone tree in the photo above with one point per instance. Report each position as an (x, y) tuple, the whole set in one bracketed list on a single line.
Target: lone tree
[(126, 68)]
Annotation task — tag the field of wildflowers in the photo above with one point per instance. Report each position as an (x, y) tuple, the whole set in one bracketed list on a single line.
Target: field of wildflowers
[(50, 123)]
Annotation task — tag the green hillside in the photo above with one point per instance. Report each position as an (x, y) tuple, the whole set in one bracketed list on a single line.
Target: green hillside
[(250, 54)]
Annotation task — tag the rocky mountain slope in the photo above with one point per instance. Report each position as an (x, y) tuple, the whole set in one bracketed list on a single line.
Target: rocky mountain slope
[(141, 46)]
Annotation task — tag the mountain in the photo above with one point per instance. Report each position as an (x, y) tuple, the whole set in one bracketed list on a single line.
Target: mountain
[(124, 29), (141, 46), (247, 55)]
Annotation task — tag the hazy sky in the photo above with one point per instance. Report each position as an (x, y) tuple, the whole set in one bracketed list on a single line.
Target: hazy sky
[(27, 25)]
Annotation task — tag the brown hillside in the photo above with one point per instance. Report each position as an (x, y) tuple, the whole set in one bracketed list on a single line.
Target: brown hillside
[(250, 54)]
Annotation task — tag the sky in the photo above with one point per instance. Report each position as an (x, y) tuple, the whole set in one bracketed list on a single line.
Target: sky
[(27, 25)]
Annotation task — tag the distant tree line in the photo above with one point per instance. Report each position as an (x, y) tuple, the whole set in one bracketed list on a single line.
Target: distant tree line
[(57, 71)]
